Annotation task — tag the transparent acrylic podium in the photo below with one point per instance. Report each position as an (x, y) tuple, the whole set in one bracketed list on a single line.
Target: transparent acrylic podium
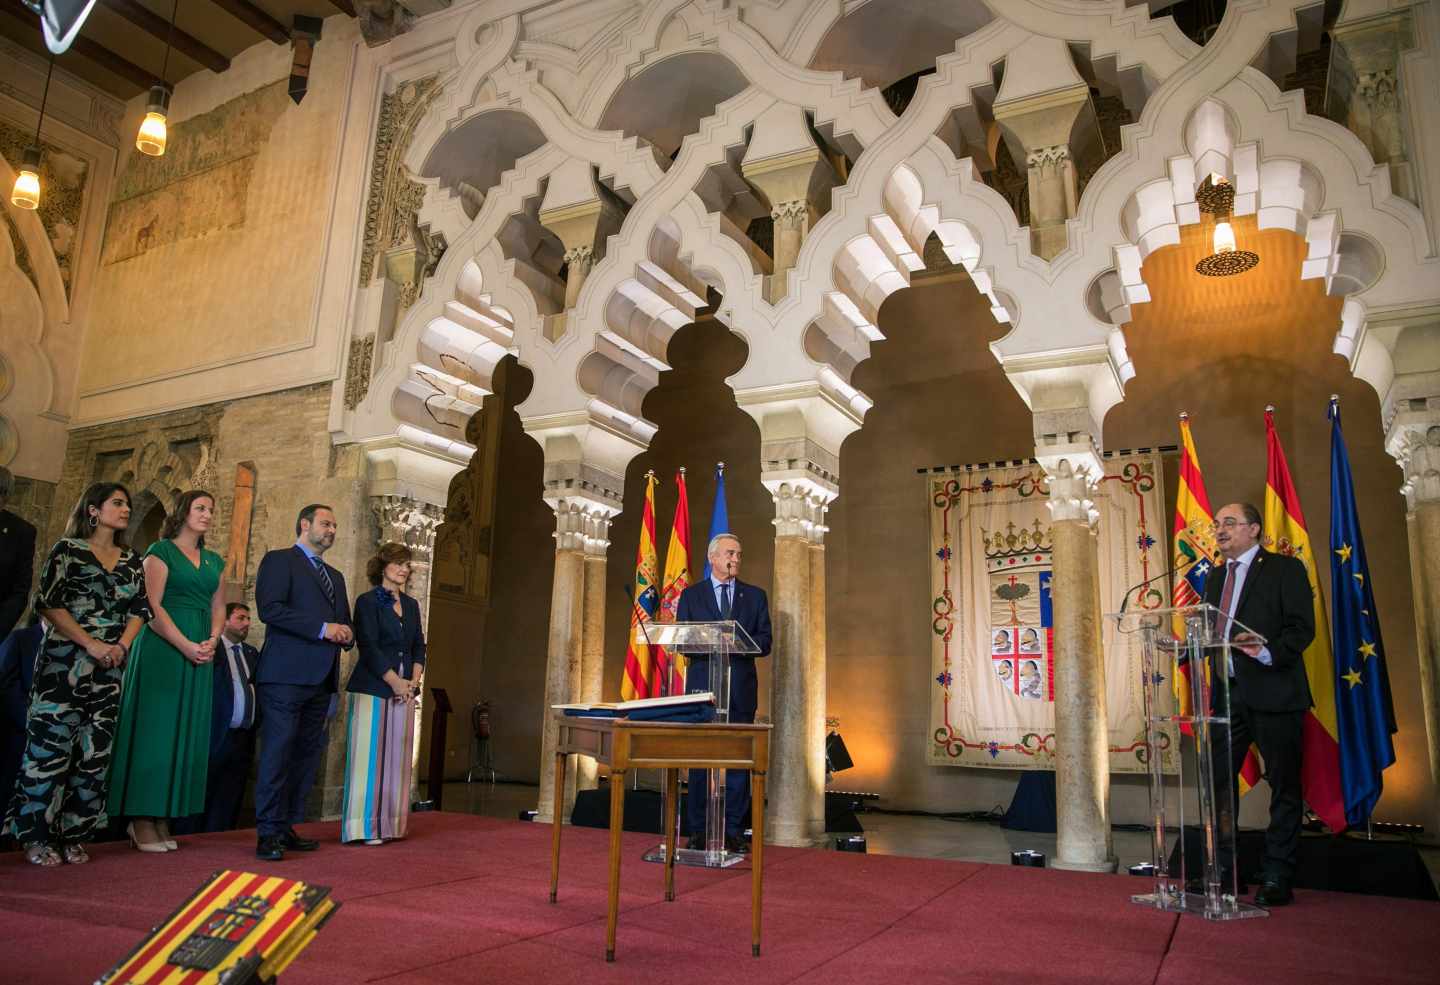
[(1201, 637), (713, 642)]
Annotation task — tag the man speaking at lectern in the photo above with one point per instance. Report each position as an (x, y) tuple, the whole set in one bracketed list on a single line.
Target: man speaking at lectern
[(1268, 594), (724, 596)]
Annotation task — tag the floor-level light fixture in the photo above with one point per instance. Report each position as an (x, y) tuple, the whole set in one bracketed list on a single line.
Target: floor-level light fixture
[(26, 192), (153, 133), (1217, 197)]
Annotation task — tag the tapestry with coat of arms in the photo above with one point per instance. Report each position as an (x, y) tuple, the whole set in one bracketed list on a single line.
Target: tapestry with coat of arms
[(993, 638)]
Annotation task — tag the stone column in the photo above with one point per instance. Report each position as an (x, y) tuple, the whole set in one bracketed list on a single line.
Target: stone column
[(562, 650), (1414, 439), (1365, 90), (585, 463), (591, 684), (797, 707), (801, 430), (784, 163), (1044, 111), (1082, 765)]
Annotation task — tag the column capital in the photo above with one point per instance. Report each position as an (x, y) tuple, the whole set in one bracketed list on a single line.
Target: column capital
[(1073, 468), (800, 508), (801, 431), (1413, 439), (582, 524), (409, 522), (585, 459)]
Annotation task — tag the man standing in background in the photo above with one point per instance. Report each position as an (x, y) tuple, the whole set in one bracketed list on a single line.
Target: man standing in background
[(306, 611)]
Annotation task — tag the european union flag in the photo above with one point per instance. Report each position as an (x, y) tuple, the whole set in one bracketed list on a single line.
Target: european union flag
[(1365, 712), (719, 516)]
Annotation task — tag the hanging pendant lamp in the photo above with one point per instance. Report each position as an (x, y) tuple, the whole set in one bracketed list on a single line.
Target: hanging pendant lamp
[(153, 131), (25, 193)]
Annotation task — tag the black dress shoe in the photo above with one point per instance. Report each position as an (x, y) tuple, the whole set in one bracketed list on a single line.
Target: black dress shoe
[(696, 843), (271, 849), (294, 843), (1273, 893), (734, 845)]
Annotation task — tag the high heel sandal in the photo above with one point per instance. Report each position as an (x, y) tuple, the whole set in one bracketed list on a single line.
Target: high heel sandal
[(162, 831), (75, 854), (144, 846), (40, 853)]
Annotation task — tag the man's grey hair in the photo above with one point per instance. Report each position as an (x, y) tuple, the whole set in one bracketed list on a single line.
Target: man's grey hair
[(715, 542), (7, 483)]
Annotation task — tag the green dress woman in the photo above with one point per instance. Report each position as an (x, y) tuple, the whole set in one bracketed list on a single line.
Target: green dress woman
[(162, 746)]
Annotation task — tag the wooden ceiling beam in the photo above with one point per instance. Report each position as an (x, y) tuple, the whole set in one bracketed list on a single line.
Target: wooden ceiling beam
[(87, 49), (256, 19), (158, 27), (344, 6)]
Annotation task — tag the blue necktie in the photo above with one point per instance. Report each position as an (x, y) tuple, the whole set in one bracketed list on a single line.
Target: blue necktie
[(247, 692), (725, 600), (325, 579)]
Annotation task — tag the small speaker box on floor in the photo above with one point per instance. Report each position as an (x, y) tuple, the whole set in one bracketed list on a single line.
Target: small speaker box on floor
[(642, 809), (1028, 857)]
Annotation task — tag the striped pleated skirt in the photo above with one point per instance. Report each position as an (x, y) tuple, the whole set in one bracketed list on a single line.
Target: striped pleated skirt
[(379, 741)]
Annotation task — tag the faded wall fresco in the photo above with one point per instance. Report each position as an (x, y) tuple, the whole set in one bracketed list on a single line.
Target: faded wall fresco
[(201, 184)]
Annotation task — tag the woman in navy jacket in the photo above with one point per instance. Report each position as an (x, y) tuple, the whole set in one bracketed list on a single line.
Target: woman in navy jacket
[(381, 697)]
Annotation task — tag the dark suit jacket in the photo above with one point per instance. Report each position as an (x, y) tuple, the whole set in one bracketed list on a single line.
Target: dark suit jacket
[(224, 694), (1277, 603), (751, 609), (293, 607), (385, 642), (17, 564), (17, 673)]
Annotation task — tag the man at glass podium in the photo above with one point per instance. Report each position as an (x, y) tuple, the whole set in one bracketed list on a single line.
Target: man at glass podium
[(1269, 692), (724, 596)]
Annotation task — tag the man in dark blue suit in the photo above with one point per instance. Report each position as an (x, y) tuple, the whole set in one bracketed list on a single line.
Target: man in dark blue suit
[(233, 719), (17, 673), (17, 550), (306, 612), (724, 596)]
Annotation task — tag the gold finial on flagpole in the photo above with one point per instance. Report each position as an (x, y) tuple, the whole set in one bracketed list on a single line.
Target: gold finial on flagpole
[(1269, 408), (682, 470), (1334, 398), (1184, 415)]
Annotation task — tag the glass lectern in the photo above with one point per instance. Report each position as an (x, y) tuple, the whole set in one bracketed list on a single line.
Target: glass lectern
[(712, 642), (1186, 656)]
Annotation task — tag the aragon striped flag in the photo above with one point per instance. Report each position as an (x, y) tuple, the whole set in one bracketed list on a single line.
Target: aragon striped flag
[(671, 679), (1194, 558), (1285, 533), (638, 681)]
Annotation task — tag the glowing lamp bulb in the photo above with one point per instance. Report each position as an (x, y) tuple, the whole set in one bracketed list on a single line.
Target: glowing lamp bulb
[(151, 138), (1224, 238), (26, 193)]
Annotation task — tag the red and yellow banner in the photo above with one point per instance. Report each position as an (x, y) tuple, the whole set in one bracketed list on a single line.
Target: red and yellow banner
[(1286, 533), (677, 579), (639, 680)]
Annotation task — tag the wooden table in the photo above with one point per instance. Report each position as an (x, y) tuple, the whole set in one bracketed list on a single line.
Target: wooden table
[(624, 745)]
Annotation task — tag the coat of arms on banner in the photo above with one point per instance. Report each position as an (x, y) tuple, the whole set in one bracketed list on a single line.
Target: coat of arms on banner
[(992, 614), (1021, 637)]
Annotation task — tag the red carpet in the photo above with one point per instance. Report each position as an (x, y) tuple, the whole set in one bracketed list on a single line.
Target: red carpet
[(463, 900)]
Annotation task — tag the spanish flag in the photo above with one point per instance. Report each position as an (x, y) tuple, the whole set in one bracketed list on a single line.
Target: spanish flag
[(639, 680), (1285, 533), (1194, 559), (677, 579)]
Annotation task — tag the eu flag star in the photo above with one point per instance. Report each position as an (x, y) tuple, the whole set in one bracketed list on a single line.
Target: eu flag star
[(1344, 552), (1353, 677), (1360, 577), (1367, 649)]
